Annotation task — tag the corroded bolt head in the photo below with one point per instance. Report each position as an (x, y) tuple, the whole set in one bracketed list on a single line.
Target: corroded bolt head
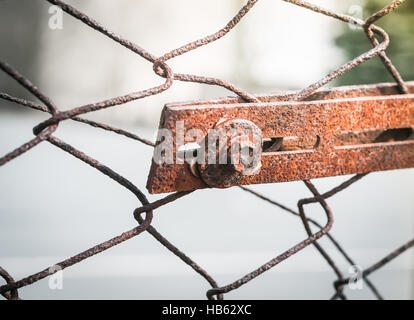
[(242, 149)]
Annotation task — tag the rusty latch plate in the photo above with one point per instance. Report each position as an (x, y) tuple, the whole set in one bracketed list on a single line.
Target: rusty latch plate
[(337, 131)]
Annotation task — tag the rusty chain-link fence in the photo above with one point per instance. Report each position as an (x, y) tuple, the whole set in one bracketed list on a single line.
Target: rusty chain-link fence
[(45, 132)]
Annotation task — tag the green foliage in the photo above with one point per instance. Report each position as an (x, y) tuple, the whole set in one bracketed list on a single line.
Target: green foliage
[(400, 27)]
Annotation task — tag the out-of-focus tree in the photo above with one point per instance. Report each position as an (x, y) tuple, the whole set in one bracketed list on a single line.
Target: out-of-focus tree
[(400, 26)]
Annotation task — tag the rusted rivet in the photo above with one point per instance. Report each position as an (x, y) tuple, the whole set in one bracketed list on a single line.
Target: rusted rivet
[(238, 153)]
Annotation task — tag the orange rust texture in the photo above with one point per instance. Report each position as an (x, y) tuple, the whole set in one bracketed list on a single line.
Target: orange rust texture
[(346, 119)]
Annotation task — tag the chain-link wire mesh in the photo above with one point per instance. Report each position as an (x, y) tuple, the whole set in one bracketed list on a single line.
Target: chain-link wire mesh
[(45, 132)]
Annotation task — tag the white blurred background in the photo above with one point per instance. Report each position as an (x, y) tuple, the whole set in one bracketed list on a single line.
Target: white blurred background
[(53, 206)]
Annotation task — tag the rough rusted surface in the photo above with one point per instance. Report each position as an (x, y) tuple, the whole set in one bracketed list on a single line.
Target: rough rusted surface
[(44, 132), (347, 121), (241, 135)]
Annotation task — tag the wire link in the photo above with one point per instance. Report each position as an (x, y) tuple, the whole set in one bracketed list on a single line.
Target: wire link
[(45, 130)]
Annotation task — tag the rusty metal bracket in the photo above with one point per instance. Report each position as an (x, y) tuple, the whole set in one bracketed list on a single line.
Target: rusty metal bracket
[(344, 130)]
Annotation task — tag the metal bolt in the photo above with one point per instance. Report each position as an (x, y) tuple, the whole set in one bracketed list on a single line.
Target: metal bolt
[(243, 149)]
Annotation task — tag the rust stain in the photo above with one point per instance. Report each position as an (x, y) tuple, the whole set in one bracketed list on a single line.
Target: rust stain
[(359, 129)]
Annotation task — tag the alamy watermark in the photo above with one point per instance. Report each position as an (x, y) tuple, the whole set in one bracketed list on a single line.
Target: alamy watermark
[(356, 11), (56, 18), (356, 278), (56, 278), (223, 145)]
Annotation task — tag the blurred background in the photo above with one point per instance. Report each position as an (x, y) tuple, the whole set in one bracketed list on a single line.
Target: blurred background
[(53, 206)]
